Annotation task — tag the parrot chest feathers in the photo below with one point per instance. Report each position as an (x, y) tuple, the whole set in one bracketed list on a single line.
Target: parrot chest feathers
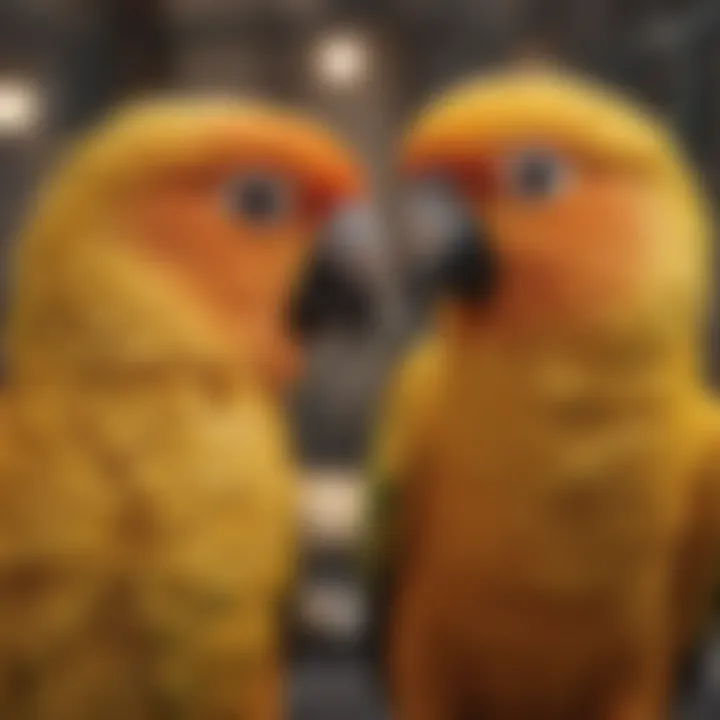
[(172, 491), (559, 480)]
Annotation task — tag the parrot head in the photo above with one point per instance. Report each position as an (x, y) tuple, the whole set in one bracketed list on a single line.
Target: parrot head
[(193, 229), (541, 200)]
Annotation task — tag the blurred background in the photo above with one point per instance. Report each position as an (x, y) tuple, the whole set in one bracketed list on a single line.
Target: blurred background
[(365, 66)]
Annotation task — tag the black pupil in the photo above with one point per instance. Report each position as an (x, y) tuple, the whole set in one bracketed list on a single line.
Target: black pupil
[(536, 176), (258, 200)]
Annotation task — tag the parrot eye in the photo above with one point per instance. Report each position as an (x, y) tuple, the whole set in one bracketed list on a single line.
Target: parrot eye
[(257, 199), (537, 174)]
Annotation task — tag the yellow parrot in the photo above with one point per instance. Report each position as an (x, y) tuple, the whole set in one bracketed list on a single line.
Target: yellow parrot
[(544, 499), (146, 481)]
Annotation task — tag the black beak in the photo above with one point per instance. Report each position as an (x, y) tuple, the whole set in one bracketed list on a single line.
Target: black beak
[(329, 299), (469, 270), (338, 292), (455, 257)]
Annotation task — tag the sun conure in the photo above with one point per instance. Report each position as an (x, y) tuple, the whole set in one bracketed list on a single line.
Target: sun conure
[(159, 291), (544, 499)]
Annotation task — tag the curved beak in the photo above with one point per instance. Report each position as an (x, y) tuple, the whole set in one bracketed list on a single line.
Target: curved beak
[(338, 289), (455, 254)]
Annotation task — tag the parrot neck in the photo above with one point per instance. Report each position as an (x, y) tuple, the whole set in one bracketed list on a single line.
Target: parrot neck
[(659, 341), (632, 361), (181, 411)]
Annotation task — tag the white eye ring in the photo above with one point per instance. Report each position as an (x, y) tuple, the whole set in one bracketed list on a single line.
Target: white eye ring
[(536, 174), (258, 198)]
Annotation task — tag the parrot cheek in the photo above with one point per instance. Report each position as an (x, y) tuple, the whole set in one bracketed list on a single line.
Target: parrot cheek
[(579, 262), (586, 286), (238, 276), (277, 358), (259, 334), (545, 294)]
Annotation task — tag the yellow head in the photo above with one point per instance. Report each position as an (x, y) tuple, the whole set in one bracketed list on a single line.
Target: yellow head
[(551, 203), (179, 231)]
